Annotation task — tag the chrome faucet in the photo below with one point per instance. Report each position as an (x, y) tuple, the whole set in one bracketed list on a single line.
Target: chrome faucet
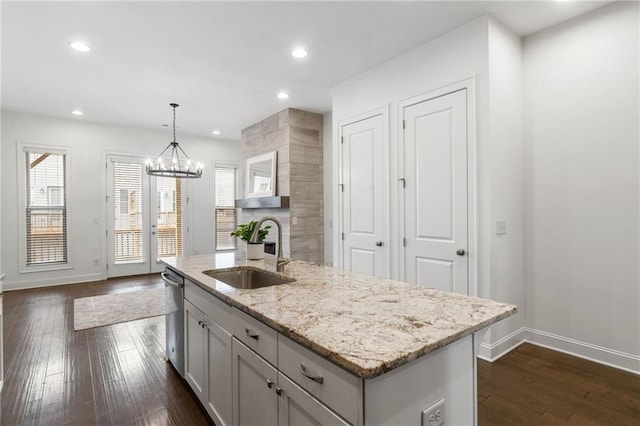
[(280, 261)]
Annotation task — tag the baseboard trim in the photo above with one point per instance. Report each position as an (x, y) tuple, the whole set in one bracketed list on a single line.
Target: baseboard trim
[(494, 351), (595, 353), (73, 279), (591, 352)]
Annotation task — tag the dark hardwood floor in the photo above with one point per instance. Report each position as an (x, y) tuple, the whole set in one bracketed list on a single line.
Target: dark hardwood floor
[(116, 375), (113, 375), (532, 385)]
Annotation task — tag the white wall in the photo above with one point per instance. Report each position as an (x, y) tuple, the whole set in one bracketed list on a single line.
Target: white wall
[(475, 50), (582, 185), (456, 56), (88, 144), (327, 190), (502, 168)]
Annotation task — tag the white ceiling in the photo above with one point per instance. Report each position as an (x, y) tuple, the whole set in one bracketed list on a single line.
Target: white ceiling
[(223, 62)]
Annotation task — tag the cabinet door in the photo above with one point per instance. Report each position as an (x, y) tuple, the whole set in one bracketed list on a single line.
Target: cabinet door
[(219, 371), (299, 408), (194, 367), (254, 388)]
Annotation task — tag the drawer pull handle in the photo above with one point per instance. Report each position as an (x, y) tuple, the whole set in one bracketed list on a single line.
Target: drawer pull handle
[(317, 379), (251, 334), (269, 384), (279, 390)]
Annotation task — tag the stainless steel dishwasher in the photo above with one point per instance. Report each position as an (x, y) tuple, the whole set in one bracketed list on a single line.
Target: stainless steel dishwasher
[(174, 301)]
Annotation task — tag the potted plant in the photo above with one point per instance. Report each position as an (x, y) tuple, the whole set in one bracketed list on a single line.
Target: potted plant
[(245, 231)]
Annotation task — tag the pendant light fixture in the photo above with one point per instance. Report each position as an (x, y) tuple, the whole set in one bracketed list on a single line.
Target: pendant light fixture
[(173, 161)]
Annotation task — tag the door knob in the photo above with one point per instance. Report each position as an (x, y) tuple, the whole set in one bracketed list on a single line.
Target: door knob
[(379, 243), (460, 252)]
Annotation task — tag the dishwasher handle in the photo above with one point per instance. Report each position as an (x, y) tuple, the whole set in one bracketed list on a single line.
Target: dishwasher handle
[(171, 283)]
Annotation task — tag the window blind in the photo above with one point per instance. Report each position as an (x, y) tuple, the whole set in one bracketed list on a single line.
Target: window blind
[(226, 216), (46, 208), (128, 214)]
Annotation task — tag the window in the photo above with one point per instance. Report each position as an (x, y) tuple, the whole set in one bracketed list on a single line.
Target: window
[(45, 208), (226, 214)]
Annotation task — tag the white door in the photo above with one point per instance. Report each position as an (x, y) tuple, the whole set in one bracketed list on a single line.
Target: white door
[(363, 248), (435, 192), (144, 218)]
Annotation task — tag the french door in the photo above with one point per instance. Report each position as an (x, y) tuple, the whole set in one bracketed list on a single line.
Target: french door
[(144, 218)]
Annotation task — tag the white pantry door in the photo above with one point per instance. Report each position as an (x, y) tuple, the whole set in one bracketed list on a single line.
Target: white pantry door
[(435, 192), (363, 209), (143, 218)]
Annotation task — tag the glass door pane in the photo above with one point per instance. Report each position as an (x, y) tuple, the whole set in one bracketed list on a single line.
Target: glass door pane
[(128, 217), (168, 217), (128, 213)]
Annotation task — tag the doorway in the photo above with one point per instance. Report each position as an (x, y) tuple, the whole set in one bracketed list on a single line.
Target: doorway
[(144, 218)]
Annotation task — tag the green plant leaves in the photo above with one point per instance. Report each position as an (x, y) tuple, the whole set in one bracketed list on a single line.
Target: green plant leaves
[(245, 231)]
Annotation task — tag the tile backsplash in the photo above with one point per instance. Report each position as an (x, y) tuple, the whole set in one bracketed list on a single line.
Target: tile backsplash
[(297, 137)]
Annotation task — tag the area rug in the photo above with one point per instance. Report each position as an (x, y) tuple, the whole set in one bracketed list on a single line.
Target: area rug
[(98, 311)]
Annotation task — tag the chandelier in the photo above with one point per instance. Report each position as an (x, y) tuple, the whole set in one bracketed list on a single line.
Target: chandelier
[(173, 161)]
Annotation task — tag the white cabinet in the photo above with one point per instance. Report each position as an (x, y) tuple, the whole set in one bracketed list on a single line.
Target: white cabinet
[(208, 363), (237, 378), (265, 397), (219, 401), (297, 407), (255, 401), (257, 336), (194, 341), (326, 382), (246, 373)]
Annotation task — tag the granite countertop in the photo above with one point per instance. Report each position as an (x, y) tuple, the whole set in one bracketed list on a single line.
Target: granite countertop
[(366, 325)]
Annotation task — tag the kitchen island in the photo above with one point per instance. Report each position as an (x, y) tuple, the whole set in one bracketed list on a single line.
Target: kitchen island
[(365, 350)]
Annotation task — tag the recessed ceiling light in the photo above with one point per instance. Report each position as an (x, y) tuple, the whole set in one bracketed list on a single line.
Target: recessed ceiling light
[(77, 112), (299, 53), (216, 132), (283, 95), (79, 46)]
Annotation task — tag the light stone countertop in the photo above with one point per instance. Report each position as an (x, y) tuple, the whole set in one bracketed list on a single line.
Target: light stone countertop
[(366, 325)]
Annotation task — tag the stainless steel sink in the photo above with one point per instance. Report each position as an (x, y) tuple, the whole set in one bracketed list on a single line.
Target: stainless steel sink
[(248, 278)]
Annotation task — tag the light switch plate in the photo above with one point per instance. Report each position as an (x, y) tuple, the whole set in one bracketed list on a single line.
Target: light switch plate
[(501, 226)]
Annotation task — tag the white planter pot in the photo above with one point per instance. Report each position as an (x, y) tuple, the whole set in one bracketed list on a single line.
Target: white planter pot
[(255, 251)]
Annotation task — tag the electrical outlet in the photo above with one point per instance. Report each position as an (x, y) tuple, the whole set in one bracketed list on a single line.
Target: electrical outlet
[(434, 414)]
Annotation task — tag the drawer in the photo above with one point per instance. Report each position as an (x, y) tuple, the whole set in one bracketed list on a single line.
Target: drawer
[(256, 335), (330, 384), (212, 307)]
